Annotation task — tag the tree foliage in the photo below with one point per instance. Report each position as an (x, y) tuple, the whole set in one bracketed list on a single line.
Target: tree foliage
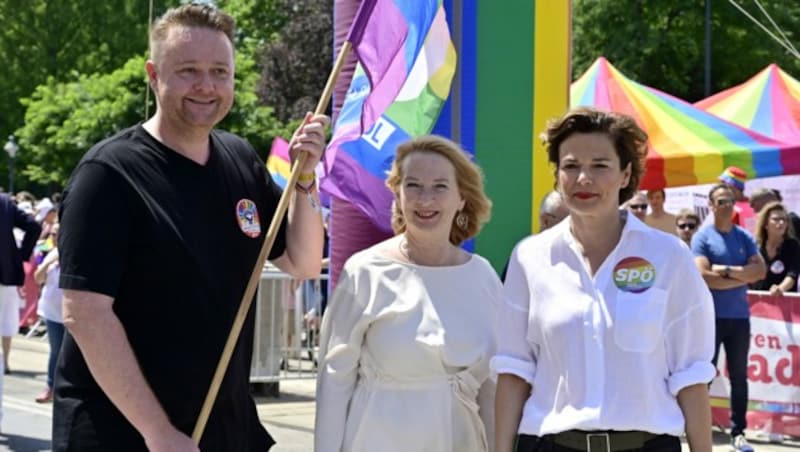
[(58, 40), (64, 119), (661, 44), (297, 62)]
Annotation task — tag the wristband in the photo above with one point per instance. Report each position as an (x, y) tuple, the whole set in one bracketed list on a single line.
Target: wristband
[(306, 177)]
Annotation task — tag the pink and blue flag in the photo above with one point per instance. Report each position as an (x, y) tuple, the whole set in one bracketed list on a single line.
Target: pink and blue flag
[(278, 163), (406, 65)]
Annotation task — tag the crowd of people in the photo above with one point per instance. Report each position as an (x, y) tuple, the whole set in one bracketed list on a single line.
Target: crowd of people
[(29, 229), (603, 335)]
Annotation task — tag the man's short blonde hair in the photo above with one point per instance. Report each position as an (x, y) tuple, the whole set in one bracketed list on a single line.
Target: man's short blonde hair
[(192, 15)]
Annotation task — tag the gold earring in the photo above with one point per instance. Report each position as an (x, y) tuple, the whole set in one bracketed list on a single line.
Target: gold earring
[(462, 221)]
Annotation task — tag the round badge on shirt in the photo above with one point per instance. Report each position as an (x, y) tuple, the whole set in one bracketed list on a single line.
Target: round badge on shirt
[(247, 216), (777, 267), (634, 274)]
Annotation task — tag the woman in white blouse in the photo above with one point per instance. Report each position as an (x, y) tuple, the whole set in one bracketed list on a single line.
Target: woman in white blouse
[(408, 335), (605, 328)]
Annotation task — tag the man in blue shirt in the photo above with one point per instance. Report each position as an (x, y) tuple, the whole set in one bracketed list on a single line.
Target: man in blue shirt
[(728, 259)]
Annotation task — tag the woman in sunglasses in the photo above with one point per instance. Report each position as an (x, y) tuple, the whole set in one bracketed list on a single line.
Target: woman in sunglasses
[(779, 248), (686, 223), (605, 328)]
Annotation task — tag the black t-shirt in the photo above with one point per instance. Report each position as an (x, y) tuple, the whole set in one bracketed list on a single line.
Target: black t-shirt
[(174, 243), (785, 263)]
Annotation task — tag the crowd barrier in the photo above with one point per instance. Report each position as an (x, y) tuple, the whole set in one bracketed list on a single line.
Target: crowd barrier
[(287, 321), (773, 371)]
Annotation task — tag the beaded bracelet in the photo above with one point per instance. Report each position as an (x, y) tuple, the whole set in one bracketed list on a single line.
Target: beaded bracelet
[(308, 190)]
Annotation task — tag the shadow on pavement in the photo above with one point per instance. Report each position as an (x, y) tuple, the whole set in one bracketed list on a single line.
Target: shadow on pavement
[(719, 437)]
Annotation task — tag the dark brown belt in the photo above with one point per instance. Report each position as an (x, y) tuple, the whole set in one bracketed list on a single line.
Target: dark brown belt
[(602, 441)]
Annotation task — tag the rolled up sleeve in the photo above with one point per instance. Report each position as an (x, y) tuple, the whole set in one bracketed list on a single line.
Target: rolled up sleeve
[(515, 355), (689, 336)]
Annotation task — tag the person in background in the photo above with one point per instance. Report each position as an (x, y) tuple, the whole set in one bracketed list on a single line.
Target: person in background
[(658, 217), (763, 196), (780, 249), (604, 329), (406, 342), (47, 216), (12, 275), (686, 224), (552, 210), (728, 259), (637, 205), (743, 215), (49, 308)]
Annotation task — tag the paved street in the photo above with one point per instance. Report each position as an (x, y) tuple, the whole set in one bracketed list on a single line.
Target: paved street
[(290, 418)]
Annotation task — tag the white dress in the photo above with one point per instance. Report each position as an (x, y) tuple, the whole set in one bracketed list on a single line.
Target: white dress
[(405, 353)]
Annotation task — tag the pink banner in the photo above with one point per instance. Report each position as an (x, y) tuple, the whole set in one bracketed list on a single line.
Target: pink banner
[(773, 371)]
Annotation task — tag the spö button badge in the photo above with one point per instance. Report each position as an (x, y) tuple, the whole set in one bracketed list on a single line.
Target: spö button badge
[(634, 274), (247, 216)]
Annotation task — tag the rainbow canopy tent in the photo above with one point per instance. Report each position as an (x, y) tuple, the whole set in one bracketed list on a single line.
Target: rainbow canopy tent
[(688, 146), (768, 103)]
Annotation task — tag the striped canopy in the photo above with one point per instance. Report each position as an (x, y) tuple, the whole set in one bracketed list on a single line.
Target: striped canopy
[(687, 146), (768, 103)]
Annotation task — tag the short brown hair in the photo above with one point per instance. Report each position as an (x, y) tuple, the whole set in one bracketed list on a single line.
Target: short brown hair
[(628, 139), (191, 15), (715, 188), (687, 214), (469, 177), (763, 218)]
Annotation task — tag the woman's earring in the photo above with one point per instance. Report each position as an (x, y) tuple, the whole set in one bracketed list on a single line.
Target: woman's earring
[(462, 221)]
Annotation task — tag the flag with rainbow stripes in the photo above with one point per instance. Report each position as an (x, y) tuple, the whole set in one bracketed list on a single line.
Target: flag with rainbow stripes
[(406, 65)]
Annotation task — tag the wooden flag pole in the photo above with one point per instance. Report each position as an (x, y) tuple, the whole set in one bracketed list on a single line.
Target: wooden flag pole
[(272, 233)]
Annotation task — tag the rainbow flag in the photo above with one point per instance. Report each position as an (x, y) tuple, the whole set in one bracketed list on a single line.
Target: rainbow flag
[(687, 146), (768, 103), (278, 163), (406, 65)]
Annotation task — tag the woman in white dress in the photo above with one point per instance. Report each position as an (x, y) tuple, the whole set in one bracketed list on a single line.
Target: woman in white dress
[(407, 338)]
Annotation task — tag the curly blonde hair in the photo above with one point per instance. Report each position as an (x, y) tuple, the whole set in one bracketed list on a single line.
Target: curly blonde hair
[(469, 177)]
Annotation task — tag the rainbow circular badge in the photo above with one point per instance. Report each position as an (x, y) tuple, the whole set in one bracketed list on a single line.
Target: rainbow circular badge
[(247, 217), (634, 274)]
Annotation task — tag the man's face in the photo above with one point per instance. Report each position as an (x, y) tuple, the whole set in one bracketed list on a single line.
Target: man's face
[(686, 227), (192, 77), (549, 219), (721, 204), (656, 199)]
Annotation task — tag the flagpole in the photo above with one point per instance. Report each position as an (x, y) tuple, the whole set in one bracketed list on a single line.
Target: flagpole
[(272, 233)]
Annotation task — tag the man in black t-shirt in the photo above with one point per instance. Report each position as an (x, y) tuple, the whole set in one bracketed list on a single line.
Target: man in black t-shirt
[(161, 227)]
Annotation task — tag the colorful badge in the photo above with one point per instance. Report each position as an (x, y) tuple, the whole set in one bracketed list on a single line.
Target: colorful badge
[(247, 216), (777, 267), (634, 274)]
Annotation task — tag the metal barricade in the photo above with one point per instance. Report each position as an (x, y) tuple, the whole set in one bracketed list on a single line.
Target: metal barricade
[(287, 324)]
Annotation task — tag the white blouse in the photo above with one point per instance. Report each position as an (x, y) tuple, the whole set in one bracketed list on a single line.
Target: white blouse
[(609, 351), (404, 358)]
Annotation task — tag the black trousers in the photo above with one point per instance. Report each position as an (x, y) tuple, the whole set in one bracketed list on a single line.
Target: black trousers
[(529, 443)]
